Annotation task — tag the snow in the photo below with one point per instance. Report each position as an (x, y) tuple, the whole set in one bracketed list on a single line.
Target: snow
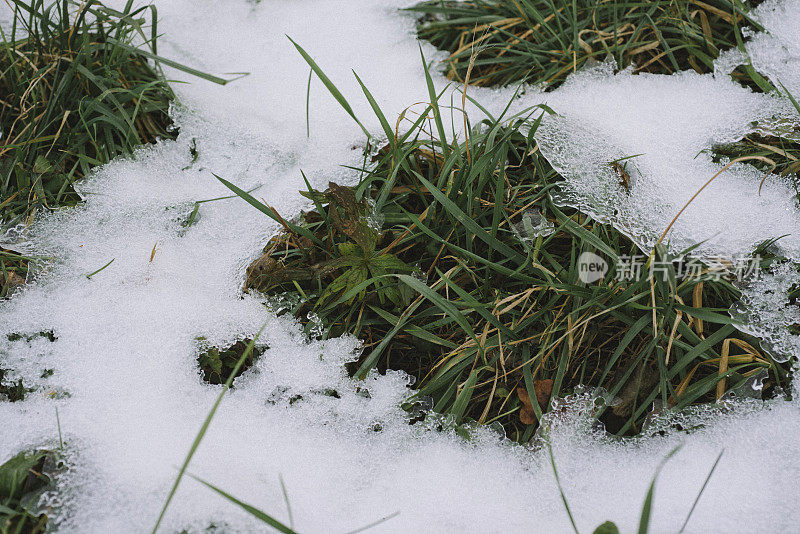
[(776, 52), (667, 122), (129, 395)]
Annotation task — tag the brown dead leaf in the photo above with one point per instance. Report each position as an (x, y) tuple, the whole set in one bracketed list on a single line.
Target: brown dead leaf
[(543, 389), (527, 416)]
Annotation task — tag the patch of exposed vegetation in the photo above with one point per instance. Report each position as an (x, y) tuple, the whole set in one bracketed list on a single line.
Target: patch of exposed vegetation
[(13, 272), (778, 155), (12, 390), (49, 335), (500, 42), (217, 364), (451, 262), (22, 480), (78, 89), (775, 150), (77, 94)]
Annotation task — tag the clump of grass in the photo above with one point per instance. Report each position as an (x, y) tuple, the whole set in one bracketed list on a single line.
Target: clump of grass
[(77, 95), (80, 85), (22, 480), (217, 364), (451, 262), (541, 42)]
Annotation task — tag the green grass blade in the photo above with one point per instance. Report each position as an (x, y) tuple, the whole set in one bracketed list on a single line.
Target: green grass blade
[(286, 500), (179, 66), (468, 221), (647, 507), (560, 488), (437, 115), (204, 427), (462, 400), (90, 275), (266, 210), (329, 85), (252, 510), (387, 129), (439, 301), (702, 489), (374, 523)]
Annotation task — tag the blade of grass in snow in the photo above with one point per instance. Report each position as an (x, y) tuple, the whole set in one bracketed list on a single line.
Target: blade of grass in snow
[(252, 510), (647, 507), (700, 493), (204, 428), (329, 85)]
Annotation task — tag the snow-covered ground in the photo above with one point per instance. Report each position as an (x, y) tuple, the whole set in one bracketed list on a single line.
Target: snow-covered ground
[(129, 394)]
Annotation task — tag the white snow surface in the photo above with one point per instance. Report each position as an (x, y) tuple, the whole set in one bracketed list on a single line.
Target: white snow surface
[(129, 395)]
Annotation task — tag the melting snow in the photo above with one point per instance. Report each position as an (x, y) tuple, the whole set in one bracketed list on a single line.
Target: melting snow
[(130, 396)]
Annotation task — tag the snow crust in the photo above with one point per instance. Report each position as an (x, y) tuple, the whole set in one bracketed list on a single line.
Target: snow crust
[(776, 52), (125, 382), (669, 124)]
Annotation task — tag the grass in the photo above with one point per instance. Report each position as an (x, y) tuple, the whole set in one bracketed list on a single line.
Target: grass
[(80, 85), (13, 271), (768, 153), (450, 261), (22, 479), (774, 152), (609, 527), (502, 42)]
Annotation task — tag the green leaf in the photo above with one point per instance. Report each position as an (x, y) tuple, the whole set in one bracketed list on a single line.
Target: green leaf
[(460, 405), (391, 262), (607, 528), (22, 472)]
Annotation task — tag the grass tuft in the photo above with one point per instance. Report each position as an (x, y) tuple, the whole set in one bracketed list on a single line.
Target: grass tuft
[(542, 41), (81, 83), (22, 479), (450, 261)]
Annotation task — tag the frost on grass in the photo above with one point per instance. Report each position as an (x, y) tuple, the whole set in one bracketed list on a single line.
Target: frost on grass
[(126, 350)]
